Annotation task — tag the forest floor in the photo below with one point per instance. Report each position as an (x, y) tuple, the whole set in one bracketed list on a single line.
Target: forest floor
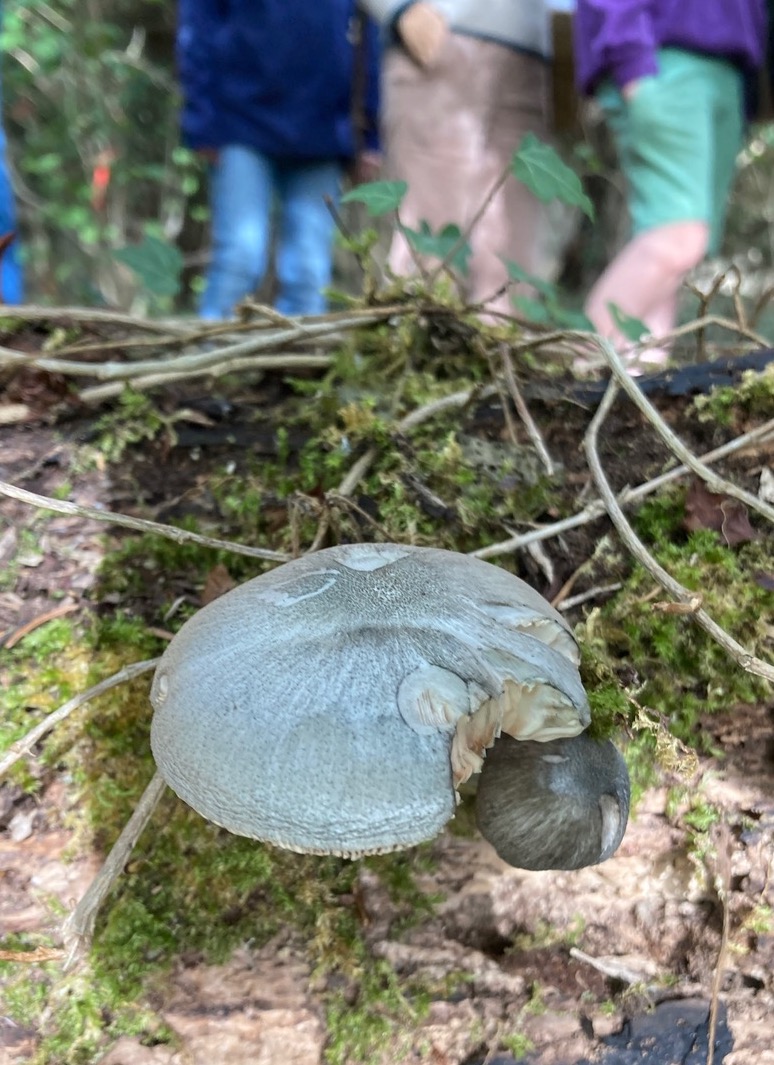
[(477, 963)]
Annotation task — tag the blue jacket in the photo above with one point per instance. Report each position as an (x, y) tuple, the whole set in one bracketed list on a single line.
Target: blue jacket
[(619, 39), (276, 76)]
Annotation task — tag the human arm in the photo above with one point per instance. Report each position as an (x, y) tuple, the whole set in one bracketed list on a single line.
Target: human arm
[(419, 26)]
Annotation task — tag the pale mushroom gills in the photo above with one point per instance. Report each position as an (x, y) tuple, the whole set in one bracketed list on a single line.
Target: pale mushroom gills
[(335, 704)]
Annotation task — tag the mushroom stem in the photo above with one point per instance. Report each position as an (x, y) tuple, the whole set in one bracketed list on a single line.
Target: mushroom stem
[(79, 927)]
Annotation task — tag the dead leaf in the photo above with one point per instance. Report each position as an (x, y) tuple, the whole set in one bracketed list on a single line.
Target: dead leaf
[(33, 956), (693, 604), (219, 581), (710, 510), (764, 580)]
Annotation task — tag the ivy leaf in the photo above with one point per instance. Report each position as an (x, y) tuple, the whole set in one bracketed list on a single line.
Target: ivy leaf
[(533, 310), (425, 242), (632, 328), (378, 197), (568, 318), (157, 263), (539, 167), (517, 273)]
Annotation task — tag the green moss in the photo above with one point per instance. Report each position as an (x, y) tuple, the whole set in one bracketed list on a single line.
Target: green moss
[(133, 420), (518, 1044), (375, 1016), (752, 397)]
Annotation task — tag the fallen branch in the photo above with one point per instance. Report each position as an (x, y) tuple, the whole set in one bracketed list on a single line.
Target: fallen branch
[(87, 316), (192, 362)]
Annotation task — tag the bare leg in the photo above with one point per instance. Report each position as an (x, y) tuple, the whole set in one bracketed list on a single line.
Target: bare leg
[(645, 277), (79, 926)]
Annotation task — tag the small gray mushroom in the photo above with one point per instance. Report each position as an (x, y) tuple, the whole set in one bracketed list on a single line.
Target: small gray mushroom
[(335, 705), (558, 805)]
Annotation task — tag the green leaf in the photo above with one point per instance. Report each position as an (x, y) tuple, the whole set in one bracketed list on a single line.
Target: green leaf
[(533, 310), (538, 167), (568, 318), (517, 273), (632, 328), (378, 197), (157, 263), (425, 242)]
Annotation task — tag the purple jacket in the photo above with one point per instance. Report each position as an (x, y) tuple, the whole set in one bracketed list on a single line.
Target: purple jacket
[(619, 39)]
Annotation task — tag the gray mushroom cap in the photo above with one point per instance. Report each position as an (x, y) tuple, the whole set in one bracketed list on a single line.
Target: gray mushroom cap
[(334, 704), (557, 805)]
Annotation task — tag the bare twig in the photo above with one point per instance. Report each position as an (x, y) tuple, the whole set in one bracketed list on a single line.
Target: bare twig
[(15, 635), (171, 532), (591, 593), (735, 650), (673, 442), (523, 411), (79, 926), (625, 498), (24, 745), (32, 957), (120, 371), (87, 316)]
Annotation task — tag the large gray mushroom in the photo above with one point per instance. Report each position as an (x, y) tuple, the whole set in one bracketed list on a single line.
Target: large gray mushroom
[(336, 704)]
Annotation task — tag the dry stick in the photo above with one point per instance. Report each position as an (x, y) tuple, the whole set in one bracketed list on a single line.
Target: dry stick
[(702, 323), (629, 495), (118, 371), (672, 441), (19, 412), (529, 424), (583, 597), (740, 654), (98, 393), (24, 745), (180, 536), (79, 926), (86, 316)]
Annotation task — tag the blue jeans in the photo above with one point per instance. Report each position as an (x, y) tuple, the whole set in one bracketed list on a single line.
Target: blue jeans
[(11, 282), (243, 187)]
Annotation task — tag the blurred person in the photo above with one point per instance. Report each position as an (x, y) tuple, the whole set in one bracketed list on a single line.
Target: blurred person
[(269, 100), (669, 76), (463, 81)]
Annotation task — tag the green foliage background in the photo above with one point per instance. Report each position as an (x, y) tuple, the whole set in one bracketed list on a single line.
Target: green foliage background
[(82, 78)]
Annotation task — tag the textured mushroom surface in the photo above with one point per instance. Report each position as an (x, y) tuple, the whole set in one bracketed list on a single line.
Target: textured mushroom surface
[(334, 704)]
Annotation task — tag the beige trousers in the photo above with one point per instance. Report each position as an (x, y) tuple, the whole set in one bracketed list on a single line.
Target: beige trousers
[(450, 132)]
